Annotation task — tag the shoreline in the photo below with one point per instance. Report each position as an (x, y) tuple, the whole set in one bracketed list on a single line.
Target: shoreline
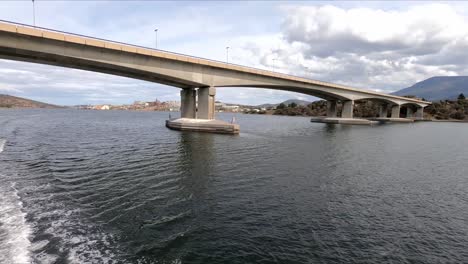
[(136, 110)]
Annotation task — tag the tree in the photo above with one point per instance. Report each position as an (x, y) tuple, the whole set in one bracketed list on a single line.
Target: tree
[(460, 115), (281, 106), (292, 105), (461, 97)]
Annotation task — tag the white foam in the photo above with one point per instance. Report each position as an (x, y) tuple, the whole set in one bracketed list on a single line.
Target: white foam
[(14, 230), (83, 249), (2, 144)]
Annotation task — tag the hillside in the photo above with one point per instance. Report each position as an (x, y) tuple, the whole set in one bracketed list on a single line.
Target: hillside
[(438, 88), (8, 101), (287, 102)]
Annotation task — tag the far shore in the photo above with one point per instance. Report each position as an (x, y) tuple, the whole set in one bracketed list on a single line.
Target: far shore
[(143, 110)]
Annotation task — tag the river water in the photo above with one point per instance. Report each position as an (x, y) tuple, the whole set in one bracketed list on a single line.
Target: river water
[(118, 187)]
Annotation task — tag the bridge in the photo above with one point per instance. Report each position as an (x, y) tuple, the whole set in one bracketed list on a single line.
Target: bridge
[(197, 77)]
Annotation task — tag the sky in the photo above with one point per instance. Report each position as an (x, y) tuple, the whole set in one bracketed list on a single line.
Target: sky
[(382, 46)]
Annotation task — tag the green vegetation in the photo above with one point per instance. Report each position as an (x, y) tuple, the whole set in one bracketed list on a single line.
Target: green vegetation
[(281, 106), (6, 105), (314, 109), (449, 109), (292, 105), (319, 108), (442, 110)]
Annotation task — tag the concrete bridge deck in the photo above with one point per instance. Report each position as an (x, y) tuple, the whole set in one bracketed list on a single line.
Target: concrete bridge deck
[(198, 77)]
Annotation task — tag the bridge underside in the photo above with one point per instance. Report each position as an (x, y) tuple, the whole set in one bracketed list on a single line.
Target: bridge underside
[(197, 77)]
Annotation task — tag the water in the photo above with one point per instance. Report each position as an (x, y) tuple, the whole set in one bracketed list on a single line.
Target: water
[(118, 187)]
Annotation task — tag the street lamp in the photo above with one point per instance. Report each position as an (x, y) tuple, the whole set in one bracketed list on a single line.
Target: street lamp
[(227, 54), (156, 32), (34, 14)]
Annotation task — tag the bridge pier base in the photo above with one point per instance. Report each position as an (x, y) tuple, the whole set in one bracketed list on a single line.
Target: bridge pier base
[(203, 119), (347, 111)]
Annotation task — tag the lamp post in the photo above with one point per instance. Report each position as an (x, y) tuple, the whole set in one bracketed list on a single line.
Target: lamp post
[(34, 14), (227, 54), (156, 32)]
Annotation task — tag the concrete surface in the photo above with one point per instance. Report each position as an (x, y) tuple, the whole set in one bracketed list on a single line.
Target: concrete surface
[(203, 125), (344, 121), (391, 119)]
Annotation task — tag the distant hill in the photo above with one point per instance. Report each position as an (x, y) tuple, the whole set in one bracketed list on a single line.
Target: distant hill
[(438, 88), (9, 101), (287, 102)]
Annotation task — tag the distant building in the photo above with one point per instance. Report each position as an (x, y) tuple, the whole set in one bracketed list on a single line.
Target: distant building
[(219, 105), (231, 108), (101, 107), (140, 106), (173, 104), (222, 107)]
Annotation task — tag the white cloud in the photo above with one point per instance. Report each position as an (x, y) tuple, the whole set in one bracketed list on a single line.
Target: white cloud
[(329, 30), (7, 88), (374, 48)]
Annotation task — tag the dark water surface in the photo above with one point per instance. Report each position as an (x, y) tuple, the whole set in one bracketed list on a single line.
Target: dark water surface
[(118, 187)]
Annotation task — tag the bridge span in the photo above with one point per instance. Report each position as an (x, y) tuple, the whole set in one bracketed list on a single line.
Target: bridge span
[(197, 77)]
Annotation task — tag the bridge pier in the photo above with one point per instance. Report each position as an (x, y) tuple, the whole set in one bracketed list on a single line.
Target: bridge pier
[(188, 104), (383, 110), (347, 116), (206, 103), (348, 107), (201, 120), (395, 111), (409, 112), (331, 109), (419, 113)]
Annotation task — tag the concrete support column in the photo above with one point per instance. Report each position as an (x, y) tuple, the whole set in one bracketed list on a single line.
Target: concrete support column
[(331, 109), (206, 103), (409, 112), (347, 111), (188, 103), (420, 113), (383, 110), (396, 111)]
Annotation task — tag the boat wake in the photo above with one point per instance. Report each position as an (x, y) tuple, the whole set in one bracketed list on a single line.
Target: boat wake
[(14, 230), (2, 144)]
